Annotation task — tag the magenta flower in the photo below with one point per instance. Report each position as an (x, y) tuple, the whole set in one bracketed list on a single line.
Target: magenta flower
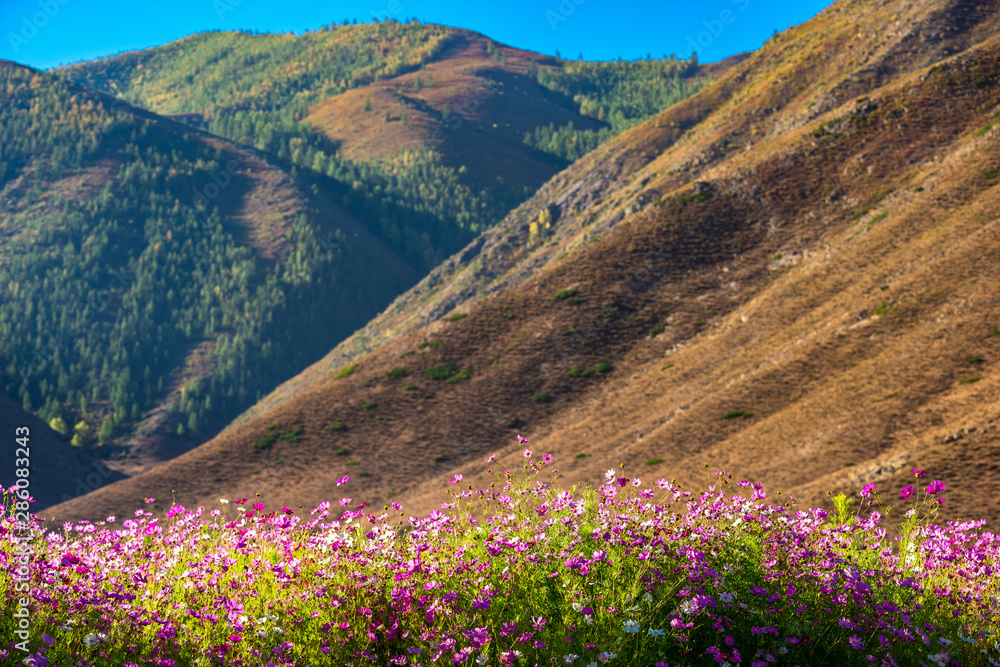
[(702, 601), (935, 487), (867, 491), (343, 480), (456, 479), (856, 642), (919, 473), (906, 492)]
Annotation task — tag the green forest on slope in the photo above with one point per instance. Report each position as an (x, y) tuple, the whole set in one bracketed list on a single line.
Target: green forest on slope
[(255, 89), (620, 93), (105, 294)]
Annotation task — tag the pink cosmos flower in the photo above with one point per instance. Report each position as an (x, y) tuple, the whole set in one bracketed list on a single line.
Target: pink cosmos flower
[(343, 480), (935, 487), (867, 491), (526, 453), (456, 479), (919, 473), (906, 492)]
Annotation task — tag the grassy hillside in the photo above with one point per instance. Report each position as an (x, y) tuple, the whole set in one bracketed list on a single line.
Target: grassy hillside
[(787, 275)]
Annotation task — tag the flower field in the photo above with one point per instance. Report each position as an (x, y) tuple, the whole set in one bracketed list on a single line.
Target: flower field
[(521, 573)]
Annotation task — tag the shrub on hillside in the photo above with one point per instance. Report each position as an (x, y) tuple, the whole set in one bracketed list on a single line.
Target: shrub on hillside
[(346, 371), (565, 294), (460, 376), (439, 372)]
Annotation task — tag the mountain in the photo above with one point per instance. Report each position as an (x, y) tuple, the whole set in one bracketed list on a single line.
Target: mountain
[(150, 269), (373, 91), (163, 278), (790, 275)]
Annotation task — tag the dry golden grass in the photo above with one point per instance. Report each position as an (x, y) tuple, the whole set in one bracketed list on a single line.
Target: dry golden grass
[(834, 278)]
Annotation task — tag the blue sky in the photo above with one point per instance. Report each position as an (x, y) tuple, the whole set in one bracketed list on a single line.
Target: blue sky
[(48, 33)]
